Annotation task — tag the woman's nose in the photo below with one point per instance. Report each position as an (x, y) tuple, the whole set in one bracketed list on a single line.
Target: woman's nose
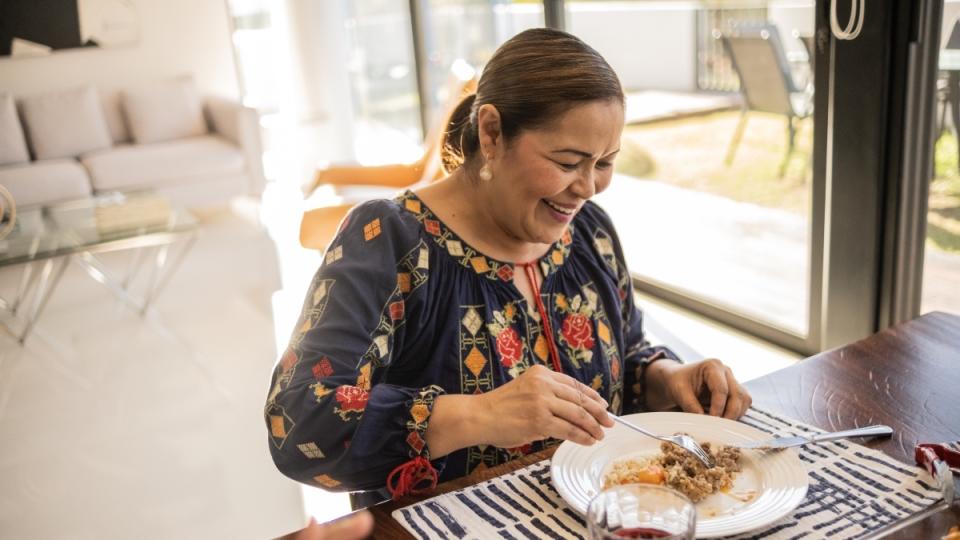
[(585, 186)]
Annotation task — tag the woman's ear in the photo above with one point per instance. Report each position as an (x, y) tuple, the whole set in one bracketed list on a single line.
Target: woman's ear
[(489, 129)]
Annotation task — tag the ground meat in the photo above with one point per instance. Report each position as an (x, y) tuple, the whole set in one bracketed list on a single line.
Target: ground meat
[(680, 470)]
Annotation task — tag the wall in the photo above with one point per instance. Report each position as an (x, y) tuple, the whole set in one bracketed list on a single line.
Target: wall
[(790, 16), (176, 37), (648, 44), (653, 45)]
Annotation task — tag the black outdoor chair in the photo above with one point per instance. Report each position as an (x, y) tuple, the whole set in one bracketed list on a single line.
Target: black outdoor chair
[(765, 82), (808, 44)]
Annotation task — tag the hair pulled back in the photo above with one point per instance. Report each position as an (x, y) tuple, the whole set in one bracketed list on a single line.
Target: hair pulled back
[(531, 79)]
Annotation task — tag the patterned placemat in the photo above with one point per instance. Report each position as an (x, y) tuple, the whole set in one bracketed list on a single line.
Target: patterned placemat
[(854, 491)]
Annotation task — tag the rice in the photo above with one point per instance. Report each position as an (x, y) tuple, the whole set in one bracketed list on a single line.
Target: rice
[(680, 470)]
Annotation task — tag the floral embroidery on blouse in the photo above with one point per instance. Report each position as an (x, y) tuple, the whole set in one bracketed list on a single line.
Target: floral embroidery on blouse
[(402, 310), (511, 348)]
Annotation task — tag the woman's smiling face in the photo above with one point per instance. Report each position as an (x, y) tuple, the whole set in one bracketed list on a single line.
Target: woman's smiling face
[(542, 177)]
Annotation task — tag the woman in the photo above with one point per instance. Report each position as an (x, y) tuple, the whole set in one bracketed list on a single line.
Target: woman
[(490, 314)]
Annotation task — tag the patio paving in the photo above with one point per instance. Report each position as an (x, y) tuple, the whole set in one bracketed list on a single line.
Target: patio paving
[(941, 281), (645, 106), (756, 257)]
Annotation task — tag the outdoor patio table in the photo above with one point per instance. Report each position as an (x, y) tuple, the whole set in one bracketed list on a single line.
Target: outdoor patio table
[(907, 377)]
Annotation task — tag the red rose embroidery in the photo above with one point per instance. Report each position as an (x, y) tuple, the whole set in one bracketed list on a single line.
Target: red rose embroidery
[(352, 399), (322, 369), (509, 347), (578, 331)]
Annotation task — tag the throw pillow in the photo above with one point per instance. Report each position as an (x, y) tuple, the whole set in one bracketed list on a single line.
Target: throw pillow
[(164, 111), (13, 147), (65, 124)]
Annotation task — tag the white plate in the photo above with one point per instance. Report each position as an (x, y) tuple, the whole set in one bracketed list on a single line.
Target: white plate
[(778, 478)]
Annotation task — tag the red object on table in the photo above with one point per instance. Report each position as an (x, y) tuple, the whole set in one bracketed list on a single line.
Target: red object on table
[(926, 454), (939, 460)]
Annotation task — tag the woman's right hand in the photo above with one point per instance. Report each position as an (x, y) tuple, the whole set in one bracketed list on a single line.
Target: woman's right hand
[(541, 404)]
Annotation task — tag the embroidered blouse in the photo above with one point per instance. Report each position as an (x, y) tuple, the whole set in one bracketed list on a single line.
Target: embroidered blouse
[(402, 310)]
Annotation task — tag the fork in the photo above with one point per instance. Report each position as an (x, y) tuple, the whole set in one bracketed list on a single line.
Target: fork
[(683, 441)]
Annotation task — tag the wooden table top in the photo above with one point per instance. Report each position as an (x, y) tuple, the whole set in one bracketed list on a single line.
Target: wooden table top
[(907, 377)]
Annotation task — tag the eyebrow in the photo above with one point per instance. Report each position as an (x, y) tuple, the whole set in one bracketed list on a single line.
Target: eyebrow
[(580, 152)]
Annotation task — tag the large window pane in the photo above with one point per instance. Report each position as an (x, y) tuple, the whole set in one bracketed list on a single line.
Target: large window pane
[(383, 79), (458, 32), (256, 46), (941, 267), (712, 197)]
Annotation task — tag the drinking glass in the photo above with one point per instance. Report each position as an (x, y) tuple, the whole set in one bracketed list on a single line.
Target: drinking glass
[(641, 511)]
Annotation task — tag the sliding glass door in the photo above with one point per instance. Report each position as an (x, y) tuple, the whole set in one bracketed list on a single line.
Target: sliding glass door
[(941, 259), (383, 80), (713, 197), (457, 37), (768, 172)]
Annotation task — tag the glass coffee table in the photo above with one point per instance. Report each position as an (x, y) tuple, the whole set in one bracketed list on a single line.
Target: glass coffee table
[(45, 240)]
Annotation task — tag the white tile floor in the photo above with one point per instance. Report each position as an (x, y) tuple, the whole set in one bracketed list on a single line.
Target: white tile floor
[(118, 427)]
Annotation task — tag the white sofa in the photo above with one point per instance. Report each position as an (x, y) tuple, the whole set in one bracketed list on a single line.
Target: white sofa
[(162, 137)]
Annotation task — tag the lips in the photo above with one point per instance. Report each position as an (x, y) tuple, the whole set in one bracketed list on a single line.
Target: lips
[(565, 210)]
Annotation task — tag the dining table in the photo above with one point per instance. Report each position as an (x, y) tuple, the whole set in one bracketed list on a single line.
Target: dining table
[(906, 376)]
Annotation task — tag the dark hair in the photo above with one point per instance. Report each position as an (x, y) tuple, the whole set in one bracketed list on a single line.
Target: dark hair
[(531, 79)]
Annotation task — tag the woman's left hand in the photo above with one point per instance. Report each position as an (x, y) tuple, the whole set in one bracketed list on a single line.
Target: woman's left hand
[(671, 384)]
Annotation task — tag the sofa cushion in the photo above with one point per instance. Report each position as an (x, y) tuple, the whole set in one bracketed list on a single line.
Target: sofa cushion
[(65, 124), (43, 182), (158, 164), (164, 111), (13, 147), (113, 114)]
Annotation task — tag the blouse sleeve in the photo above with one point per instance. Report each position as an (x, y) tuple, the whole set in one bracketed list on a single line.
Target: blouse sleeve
[(639, 353), (638, 356), (332, 422)]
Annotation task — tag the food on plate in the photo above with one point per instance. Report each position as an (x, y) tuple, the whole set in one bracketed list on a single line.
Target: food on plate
[(680, 470)]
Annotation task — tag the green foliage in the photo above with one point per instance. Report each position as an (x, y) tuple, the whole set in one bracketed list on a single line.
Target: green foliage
[(943, 215), (634, 161), (945, 157)]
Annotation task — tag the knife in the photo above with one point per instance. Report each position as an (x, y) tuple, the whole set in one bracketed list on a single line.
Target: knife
[(788, 442)]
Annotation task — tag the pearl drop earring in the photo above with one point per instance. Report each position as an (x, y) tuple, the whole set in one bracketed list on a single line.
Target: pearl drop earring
[(485, 173)]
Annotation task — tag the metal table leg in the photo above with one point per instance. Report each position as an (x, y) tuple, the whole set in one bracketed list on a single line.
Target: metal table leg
[(41, 286), (160, 272)]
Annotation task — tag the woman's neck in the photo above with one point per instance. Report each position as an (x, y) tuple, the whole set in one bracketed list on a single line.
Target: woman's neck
[(466, 207)]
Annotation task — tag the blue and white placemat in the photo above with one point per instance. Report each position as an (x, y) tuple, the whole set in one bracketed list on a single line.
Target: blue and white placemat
[(854, 491)]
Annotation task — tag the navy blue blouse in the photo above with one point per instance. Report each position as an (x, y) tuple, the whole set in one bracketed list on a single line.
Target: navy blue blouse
[(402, 311)]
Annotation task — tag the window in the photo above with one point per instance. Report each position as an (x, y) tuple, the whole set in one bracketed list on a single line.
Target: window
[(713, 194), (941, 266)]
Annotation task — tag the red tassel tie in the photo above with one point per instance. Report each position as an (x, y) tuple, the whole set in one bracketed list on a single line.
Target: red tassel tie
[(412, 474), (531, 272)]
